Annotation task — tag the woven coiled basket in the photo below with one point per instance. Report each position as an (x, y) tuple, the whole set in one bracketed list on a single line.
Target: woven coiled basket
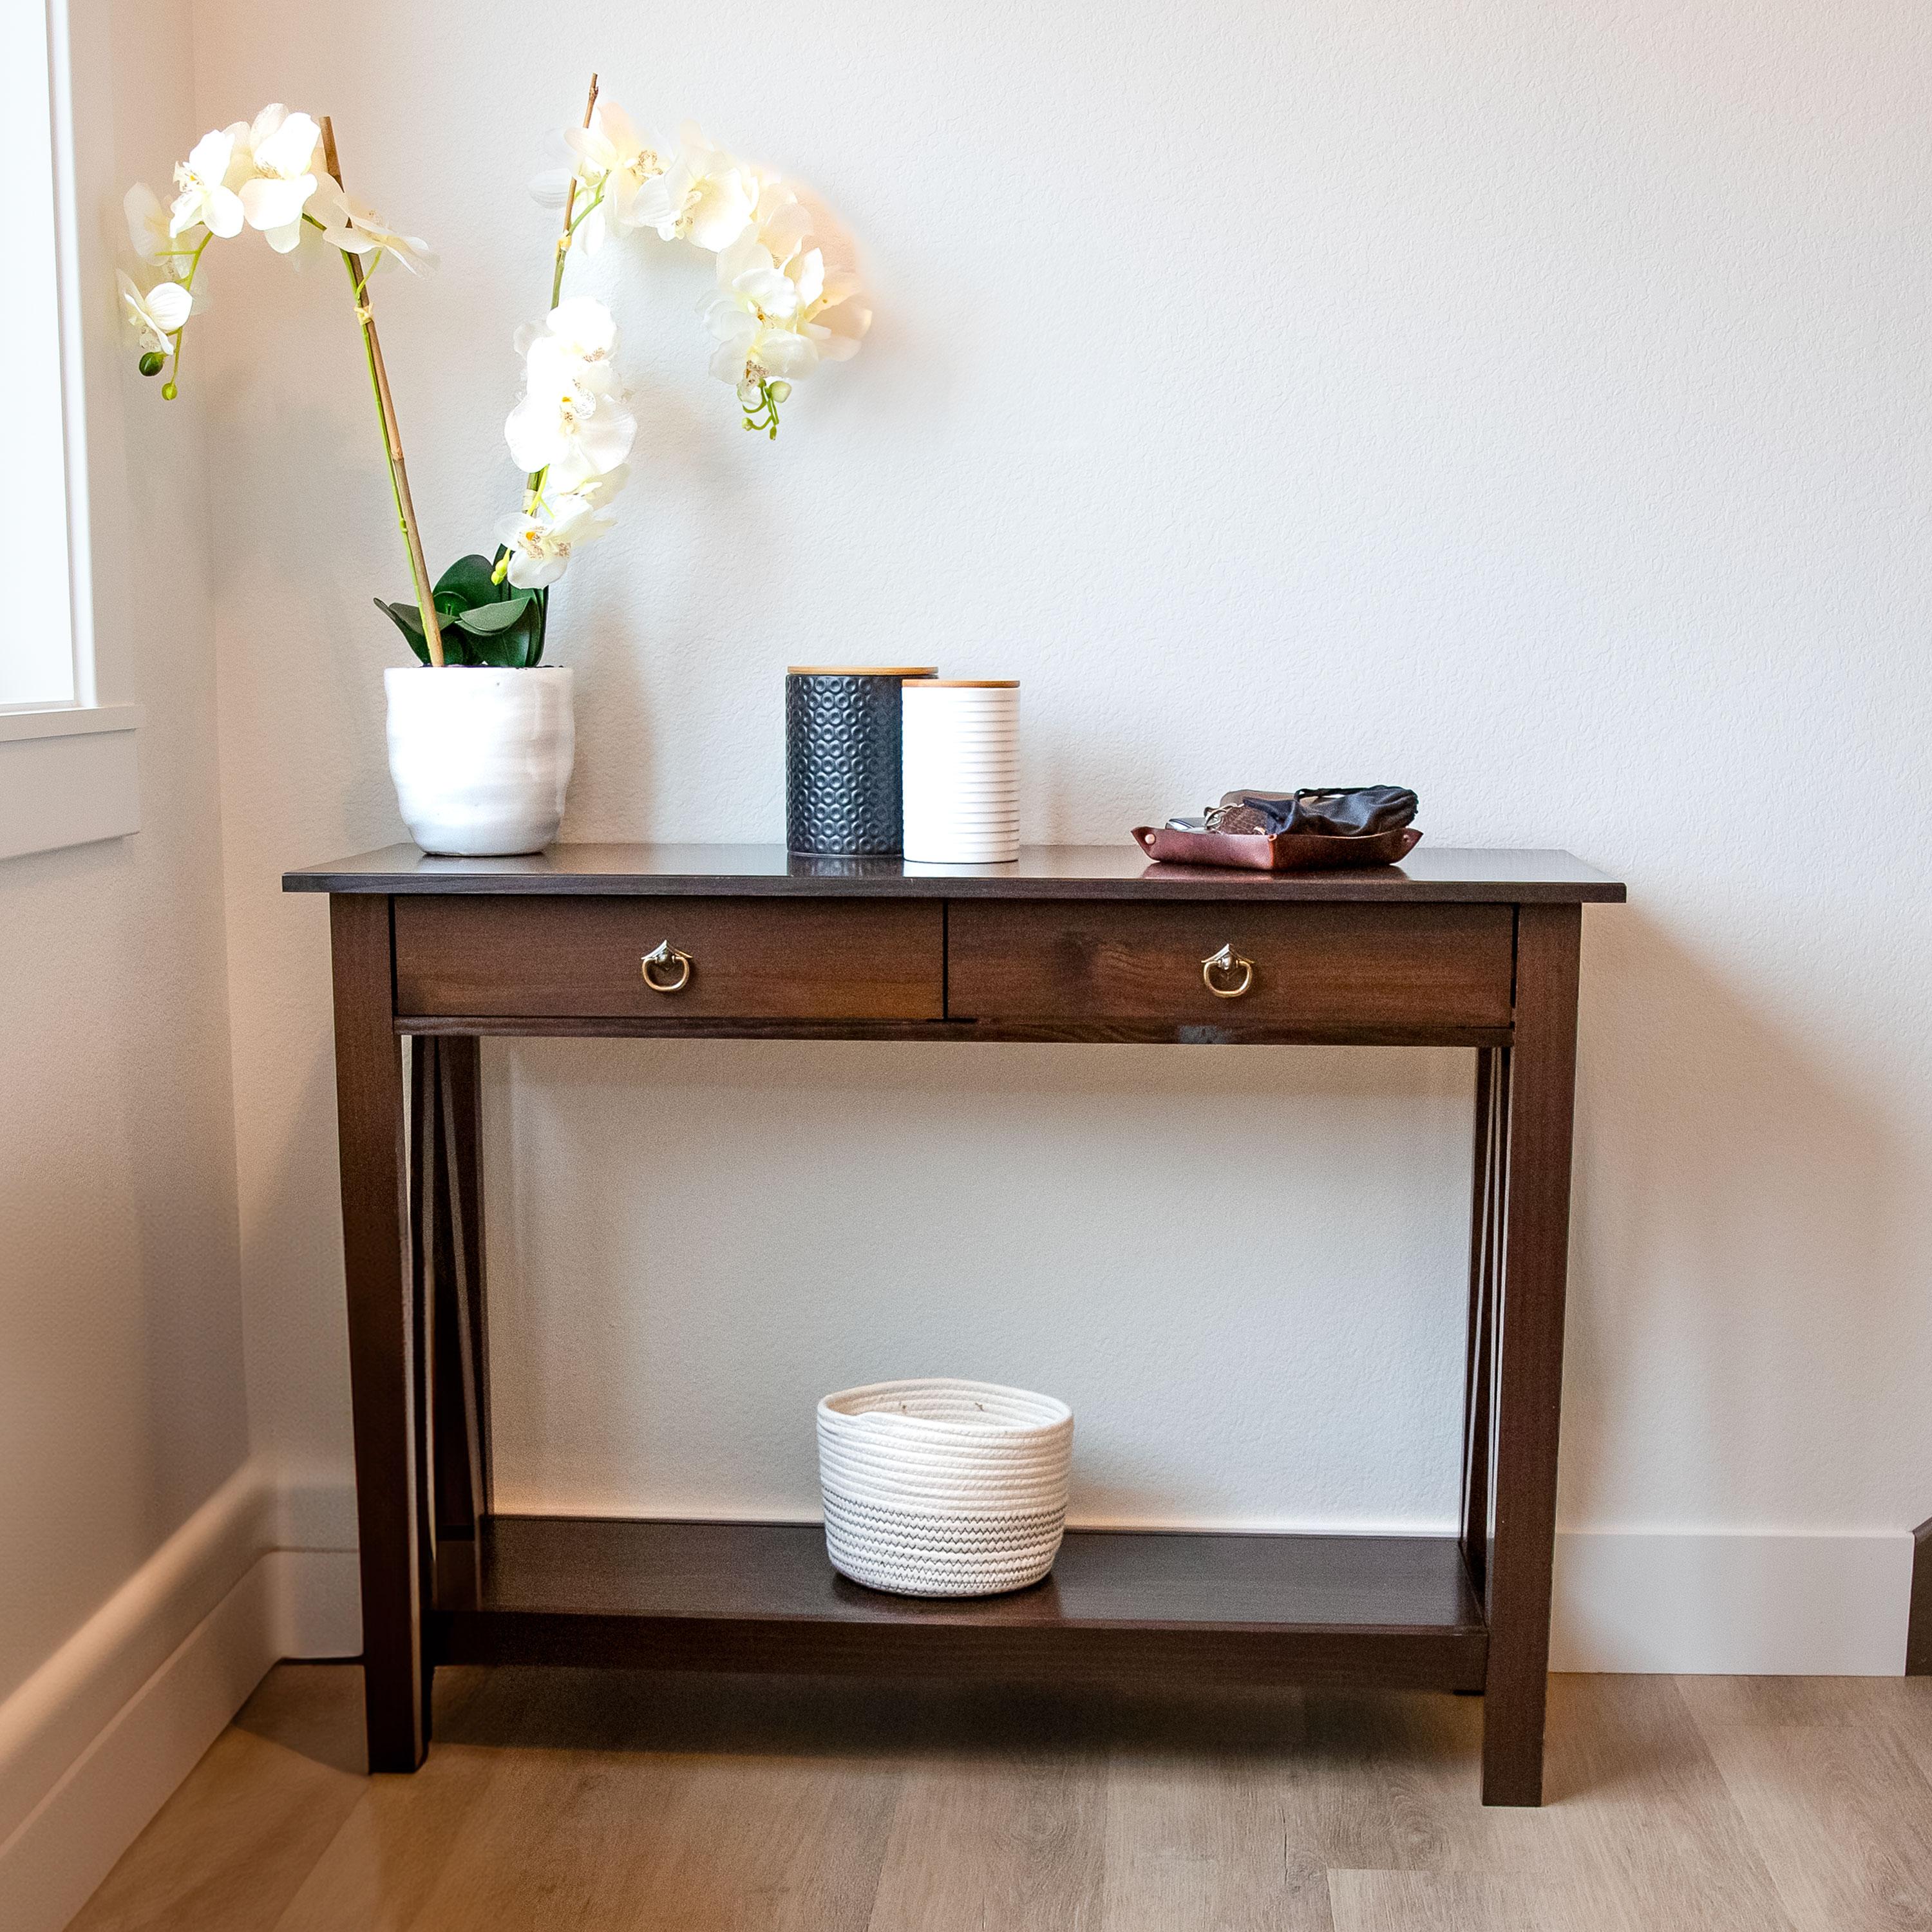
[(938, 1488)]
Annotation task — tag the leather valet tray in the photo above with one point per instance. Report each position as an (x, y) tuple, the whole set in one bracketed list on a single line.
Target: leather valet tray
[(1275, 852)]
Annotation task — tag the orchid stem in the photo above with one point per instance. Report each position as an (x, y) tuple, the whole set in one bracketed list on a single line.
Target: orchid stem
[(569, 204), (171, 388), (533, 483), (392, 438)]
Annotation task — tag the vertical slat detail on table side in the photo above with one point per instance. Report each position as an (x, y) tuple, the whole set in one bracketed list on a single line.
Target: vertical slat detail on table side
[(1529, 1344), (1478, 1357), (376, 1258), (462, 1113), (453, 1450), (428, 1267)]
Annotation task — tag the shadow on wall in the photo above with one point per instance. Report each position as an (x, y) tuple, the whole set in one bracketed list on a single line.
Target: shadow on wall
[(1738, 1231)]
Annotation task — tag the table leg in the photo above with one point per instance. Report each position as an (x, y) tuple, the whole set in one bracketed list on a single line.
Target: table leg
[(1535, 1222), (381, 1327)]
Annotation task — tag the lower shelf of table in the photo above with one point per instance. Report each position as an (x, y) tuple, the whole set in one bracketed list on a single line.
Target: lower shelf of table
[(1389, 1610)]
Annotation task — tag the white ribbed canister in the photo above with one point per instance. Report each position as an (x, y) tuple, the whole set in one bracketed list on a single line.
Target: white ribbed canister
[(941, 1488), (960, 771)]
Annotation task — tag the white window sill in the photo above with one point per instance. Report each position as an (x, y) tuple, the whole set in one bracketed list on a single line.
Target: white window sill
[(67, 721), (69, 776)]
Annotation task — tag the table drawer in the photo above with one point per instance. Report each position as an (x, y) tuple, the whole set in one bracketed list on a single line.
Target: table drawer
[(1402, 970), (749, 959)]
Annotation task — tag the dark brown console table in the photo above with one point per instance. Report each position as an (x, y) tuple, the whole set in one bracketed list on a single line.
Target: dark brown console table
[(1475, 949)]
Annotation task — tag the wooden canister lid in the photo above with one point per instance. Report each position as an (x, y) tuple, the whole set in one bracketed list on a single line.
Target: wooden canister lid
[(861, 670)]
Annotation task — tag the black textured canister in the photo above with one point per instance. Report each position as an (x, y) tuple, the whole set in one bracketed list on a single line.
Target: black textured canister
[(842, 756)]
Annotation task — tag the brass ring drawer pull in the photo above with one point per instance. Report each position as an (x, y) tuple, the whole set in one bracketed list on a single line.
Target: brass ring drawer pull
[(668, 957), (1226, 962)]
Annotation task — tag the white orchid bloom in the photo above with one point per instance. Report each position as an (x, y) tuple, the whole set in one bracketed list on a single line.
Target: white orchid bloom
[(148, 229), (157, 316), (597, 491), (780, 220), (205, 197), (581, 328), (706, 196), (750, 353), (780, 319), (241, 159), (773, 286), (612, 162), (358, 230), (572, 421), (540, 541), (281, 148), (837, 322)]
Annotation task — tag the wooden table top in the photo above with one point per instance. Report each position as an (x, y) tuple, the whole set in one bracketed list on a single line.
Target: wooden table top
[(1430, 874)]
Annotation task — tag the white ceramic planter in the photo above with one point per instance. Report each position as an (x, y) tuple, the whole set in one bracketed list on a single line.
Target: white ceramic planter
[(481, 758)]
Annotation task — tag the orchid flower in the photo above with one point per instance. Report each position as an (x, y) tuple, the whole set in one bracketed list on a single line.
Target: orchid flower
[(157, 316), (539, 541), (572, 422), (358, 230), (774, 320), (780, 220), (582, 329), (612, 161), (149, 233), (205, 196), (597, 491), (280, 149), (706, 196)]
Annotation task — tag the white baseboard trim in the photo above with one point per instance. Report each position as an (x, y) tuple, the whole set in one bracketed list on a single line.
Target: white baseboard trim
[(319, 1603), (93, 1743), (71, 1699), (1747, 1605), (69, 1842)]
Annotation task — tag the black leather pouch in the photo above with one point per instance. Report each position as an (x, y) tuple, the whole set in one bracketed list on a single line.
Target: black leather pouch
[(1363, 811)]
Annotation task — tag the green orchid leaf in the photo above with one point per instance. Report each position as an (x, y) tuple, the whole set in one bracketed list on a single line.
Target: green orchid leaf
[(407, 615), (502, 651), (533, 639), (523, 642), (468, 582), (541, 615), (488, 620), (408, 619)]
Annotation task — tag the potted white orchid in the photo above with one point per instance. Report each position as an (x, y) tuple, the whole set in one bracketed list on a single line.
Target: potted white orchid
[(481, 731)]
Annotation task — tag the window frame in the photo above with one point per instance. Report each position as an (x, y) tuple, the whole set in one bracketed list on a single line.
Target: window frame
[(69, 770)]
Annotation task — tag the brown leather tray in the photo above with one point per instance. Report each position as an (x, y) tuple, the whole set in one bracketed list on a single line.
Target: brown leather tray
[(1275, 852)]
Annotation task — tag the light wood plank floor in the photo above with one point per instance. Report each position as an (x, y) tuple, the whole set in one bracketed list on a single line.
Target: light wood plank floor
[(594, 1801)]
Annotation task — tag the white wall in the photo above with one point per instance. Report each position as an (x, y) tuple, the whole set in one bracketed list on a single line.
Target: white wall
[(129, 1510), (1523, 403), (124, 1404)]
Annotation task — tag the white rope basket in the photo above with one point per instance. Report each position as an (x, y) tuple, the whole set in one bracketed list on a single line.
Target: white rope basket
[(937, 1488)]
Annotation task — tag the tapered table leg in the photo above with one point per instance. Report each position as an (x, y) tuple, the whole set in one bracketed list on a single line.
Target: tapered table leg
[(381, 1327), (1528, 1341)]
